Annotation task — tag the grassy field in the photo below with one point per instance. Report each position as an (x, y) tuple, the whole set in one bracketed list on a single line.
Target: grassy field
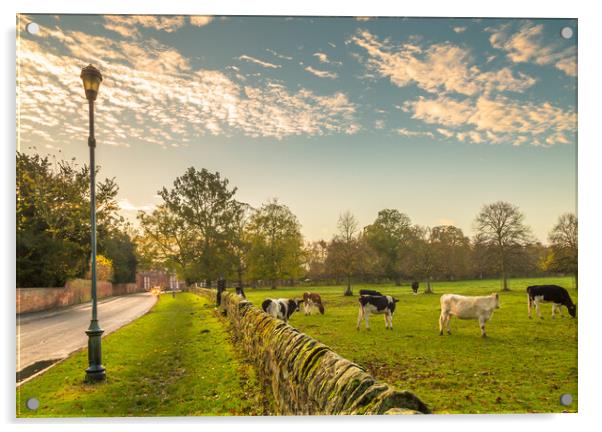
[(176, 360), (523, 366)]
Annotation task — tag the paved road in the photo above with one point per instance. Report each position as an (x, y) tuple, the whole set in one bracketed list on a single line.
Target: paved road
[(55, 334)]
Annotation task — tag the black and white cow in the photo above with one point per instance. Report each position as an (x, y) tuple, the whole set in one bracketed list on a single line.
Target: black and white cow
[(370, 293), (281, 308), (554, 294), (376, 304)]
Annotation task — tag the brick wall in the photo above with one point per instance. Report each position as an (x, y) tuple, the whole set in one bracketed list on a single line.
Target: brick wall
[(74, 292)]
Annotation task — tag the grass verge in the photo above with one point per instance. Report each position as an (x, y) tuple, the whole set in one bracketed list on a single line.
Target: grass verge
[(177, 360)]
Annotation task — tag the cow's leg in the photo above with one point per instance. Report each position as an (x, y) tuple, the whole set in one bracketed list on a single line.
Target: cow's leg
[(360, 316), (529, 305), (482, 322), (537, 311), (391, 321), (448, 321), (367, 319), (441, 323), (553, 310), (560, 311)]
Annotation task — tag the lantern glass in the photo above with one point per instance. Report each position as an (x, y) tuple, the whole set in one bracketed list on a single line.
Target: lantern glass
[(91, 78)]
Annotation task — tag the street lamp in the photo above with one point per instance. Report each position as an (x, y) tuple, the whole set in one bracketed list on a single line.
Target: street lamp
[(95, 371)]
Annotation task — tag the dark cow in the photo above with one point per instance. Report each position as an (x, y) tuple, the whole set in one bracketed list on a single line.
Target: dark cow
[(370, 293), (554, 294), (240, 292), (281, 308), (415, 286), (371, 304), (311, 300)]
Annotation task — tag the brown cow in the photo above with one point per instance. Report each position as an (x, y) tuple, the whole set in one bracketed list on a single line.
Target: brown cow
[(311, 300)]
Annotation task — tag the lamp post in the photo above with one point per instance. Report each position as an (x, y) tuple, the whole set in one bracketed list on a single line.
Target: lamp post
[(95, 371)]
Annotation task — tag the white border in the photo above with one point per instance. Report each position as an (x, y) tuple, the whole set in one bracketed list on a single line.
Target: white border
[(590, 117)]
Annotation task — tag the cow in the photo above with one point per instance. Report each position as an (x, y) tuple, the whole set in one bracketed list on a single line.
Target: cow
[(415, 286), (376, 304), (370, 293), (554, 294), (466, 307), (240, 292), (281, 308), (310, 301)]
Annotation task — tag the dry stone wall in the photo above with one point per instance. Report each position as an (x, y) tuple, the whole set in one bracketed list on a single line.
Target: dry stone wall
[(306, 376)]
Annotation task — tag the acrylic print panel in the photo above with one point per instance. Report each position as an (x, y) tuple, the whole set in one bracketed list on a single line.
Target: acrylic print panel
[(268, 190)]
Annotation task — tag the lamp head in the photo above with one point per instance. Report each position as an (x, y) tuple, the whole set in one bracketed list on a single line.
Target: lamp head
[(92, 79)]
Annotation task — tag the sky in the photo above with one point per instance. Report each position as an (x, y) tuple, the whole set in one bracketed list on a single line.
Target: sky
[(433, 117)]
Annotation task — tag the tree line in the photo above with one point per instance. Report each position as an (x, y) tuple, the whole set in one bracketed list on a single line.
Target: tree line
[(202, 232), (53, 225)]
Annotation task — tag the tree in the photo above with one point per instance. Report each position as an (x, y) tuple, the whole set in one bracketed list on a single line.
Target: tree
[(564, 244), (452, 252), (316, 253), (423, 257), (389, 236), (501, 227), (53, 220), (276, 244), (202, 203), (348, 248)]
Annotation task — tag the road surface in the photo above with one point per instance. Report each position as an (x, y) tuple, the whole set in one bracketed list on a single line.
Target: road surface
[(52, 335)]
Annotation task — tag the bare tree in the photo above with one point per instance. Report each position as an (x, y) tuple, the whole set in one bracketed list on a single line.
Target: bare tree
[(564, 242), (347, 238), (501, 226)]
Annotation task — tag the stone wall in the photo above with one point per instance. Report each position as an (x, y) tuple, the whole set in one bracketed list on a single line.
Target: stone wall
[(74, 292), (307, 377)]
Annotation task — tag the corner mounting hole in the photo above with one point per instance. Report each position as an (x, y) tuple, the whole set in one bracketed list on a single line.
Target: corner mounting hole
[(566, 32), (32, 28), (32, 404), (566, 399)]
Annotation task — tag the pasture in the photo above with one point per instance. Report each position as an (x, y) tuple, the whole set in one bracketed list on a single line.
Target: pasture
[(523, 366)]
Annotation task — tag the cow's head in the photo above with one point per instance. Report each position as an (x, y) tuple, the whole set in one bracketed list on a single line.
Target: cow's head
[(496, 296), (321, 308), (295, 304), (572, 310), (395, 300)]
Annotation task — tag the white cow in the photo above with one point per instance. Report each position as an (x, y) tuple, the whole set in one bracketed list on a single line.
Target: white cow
[(466, 307)]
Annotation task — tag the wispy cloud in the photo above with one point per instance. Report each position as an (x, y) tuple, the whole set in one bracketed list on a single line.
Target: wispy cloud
[(321, 73), (259, 62), (436, 68), (200, 20), (152, 94), (459, 29), (496, 120), (275, 54), (410, 133), (127, 25), (527, 45)]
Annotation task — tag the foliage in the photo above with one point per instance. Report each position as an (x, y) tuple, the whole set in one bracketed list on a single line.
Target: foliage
[(53, 220), (104, 269), (275, 243), (344, 251), (196, 231), (389, 236), (564, 245), (500, 227)]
